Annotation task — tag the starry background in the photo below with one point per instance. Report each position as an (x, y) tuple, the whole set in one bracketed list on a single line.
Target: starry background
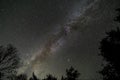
[(28, 25)]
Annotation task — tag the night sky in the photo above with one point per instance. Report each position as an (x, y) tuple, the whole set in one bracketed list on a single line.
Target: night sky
[(52, 35)]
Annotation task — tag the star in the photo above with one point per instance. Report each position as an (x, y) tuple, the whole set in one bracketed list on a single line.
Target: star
[(68, 60)]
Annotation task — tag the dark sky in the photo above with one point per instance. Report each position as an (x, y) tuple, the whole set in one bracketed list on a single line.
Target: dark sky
[(30, 24)]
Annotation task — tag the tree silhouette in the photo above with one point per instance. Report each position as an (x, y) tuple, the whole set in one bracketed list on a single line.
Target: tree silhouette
[(21, 77), (110, 50), (50, 77), (34, 77), (71, 74), (109, 73), (9, 61)]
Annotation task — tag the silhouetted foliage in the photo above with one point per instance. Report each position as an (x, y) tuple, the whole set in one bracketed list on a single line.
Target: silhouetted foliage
[(9, 61), (50, 77), (71, 74), (21, 77), (109, 73), (34, 77), (110, 50), (110, 47), (18, 77)]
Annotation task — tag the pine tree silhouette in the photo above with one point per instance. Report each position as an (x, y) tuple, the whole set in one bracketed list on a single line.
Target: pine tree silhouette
[(21, 77), (34, 77), (50, 77), (71, 74)]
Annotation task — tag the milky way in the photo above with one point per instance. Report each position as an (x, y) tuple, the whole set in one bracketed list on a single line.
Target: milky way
[(53, 40), (52, 35)]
